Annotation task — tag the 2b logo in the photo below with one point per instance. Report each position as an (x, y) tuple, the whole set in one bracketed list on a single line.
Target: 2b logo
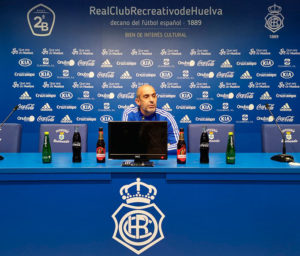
[(41, 20)]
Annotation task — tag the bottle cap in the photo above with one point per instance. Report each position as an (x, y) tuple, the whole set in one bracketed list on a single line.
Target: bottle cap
[(100, 129), (46, 133), (181, 130), (230, 133)]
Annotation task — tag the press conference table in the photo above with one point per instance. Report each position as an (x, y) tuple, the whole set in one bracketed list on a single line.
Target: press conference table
[(65, 208)]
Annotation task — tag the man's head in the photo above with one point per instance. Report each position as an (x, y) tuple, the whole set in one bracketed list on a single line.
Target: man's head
[(146, 99)]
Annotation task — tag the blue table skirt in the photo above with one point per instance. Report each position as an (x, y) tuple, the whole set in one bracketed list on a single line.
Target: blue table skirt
[(63, 208)]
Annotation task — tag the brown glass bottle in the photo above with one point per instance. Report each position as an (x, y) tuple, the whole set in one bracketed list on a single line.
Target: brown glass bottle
[(100, 151), (181, 148)]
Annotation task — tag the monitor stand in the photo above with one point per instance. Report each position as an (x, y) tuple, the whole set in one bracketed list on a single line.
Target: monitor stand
[(138, 163)]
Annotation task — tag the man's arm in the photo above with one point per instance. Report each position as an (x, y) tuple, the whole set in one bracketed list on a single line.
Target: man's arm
[(173, 132), (126, 114), (173, 135)]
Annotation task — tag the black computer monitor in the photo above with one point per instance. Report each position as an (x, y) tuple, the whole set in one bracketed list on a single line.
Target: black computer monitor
[(138, 140)]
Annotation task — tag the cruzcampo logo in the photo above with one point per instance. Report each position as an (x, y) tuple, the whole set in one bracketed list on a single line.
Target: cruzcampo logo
[(138, 222), (41, 20)]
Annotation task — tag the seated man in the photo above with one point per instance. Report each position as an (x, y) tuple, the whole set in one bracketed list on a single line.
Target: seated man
[(146, 99)]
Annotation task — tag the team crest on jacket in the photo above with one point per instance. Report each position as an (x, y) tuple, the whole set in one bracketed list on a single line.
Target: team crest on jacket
[(138, 222)]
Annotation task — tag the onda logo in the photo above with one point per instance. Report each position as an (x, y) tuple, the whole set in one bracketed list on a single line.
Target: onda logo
[(25, 62), (185, 95), (166, 74), (225, 119), (106, 118), (86, 107), (205, 107), (66, 95), (45, 74), (267, 63), (146, 63), (287, 74)]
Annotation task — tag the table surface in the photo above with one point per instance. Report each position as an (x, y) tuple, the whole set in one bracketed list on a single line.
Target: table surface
[(62, 163)]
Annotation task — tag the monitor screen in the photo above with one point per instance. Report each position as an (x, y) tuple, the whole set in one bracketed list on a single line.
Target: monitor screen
[(139, 140)]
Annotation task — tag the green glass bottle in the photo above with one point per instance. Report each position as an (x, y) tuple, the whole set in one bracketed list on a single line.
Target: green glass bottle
[(230, 152), (46, 153)]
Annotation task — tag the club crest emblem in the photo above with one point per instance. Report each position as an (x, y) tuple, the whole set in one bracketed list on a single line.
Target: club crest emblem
[(288, 135), (138, 222), (274, 19), (61, 136), (41, 20), (211, 135)]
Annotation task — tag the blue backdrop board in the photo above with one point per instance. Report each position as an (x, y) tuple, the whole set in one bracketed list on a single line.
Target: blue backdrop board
[(209, 61)]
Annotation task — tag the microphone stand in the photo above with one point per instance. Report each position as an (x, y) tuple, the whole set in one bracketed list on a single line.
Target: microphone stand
[(1, 125), (280, 157)]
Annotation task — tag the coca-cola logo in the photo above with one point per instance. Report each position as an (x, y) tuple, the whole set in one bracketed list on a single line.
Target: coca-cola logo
[(248, 95), (87, 63), (26, 107), (263, 107), (45, 119), (225, 75), (106, 75), (204, 145), (129, 95), (207, 63), (285, 119)]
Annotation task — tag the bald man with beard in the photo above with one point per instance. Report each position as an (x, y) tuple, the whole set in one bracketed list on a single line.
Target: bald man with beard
[(146, 110)]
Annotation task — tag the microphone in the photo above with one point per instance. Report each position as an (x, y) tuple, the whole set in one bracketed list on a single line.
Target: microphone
[(281, 157), (1, 125)]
